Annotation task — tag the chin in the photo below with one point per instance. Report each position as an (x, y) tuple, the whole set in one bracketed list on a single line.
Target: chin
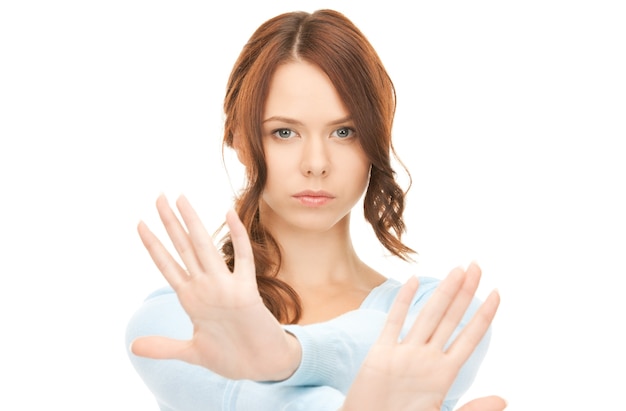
[(318, 220)]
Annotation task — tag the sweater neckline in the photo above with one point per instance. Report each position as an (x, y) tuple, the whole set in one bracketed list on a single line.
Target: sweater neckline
[(377, 291)]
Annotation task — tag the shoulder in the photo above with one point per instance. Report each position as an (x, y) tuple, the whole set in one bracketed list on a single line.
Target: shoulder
[(163, 291)]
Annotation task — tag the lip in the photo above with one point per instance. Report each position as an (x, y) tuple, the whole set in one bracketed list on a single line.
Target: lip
[(313, 198)]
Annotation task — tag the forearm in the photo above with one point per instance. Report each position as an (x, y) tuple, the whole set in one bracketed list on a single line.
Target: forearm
[(332, 352)]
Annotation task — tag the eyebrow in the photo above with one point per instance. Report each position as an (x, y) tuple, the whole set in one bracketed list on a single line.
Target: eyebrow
[(299, 123)]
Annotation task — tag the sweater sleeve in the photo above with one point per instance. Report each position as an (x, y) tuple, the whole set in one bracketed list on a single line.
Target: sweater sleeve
[(249, 395), (333, 351), (176, 385), (179, 386)]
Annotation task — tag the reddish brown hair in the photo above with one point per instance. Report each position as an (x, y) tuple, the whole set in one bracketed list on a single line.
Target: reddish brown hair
[(332, 42)]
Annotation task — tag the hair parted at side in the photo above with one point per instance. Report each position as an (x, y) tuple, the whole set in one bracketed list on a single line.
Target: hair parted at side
[(331, 41)]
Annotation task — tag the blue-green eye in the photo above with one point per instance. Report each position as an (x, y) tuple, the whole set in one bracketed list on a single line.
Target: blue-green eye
[(344, 132), (284, 133)]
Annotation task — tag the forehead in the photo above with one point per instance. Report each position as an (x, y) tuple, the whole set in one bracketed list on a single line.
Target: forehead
[(301, 90)]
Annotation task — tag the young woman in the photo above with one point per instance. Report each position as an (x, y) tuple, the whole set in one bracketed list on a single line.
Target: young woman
[(287, 316)]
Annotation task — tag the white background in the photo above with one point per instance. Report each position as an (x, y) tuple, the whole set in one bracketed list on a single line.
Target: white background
[(511, 119)]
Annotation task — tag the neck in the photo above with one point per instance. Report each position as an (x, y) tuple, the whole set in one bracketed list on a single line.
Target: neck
[(319, 258), (321, 265)]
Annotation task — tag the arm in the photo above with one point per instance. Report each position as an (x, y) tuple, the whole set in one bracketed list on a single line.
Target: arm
[(175, 385), (178, 385), (449, 360), (333, 351)]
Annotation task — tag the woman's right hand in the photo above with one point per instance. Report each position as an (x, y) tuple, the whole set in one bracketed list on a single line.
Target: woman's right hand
[(416, 372), (234, 334)]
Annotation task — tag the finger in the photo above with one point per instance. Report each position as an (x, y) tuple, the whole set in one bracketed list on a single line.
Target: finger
[(171, 270), (397, 314), (178, 235), (244, 257), (160, 348), (429, 318), (491, 403), (474, 331), (206, 252), (456, 311)]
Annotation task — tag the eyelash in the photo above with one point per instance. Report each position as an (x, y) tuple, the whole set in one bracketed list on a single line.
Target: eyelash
[(277, 133)]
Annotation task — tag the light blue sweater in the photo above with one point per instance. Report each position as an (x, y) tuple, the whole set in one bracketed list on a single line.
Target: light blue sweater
[(332, 353)]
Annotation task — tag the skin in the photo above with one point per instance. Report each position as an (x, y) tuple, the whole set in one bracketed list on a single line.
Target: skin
[(416, 372), (308, 148)]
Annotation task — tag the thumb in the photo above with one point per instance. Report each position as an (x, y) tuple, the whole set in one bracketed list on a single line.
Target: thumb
[(491, 403), (160, 348)]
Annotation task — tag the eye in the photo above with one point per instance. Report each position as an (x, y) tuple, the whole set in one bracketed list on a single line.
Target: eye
[(344, 132), (283, 133)]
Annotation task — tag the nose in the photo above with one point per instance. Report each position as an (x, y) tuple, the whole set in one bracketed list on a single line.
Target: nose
[(315, 159)]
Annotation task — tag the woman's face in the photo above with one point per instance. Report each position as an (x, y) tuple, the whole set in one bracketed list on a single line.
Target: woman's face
[(317, 170)]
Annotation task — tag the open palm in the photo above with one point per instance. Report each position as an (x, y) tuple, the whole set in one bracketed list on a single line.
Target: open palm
[(416, 372), (231, 325)]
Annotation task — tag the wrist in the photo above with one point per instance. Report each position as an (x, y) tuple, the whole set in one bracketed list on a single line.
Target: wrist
[(293, 357)]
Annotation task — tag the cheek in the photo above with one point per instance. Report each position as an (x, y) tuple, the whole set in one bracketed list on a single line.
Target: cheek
[(275, 163), (354, 172), (279, 166), (358, 166), (365, 178)]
